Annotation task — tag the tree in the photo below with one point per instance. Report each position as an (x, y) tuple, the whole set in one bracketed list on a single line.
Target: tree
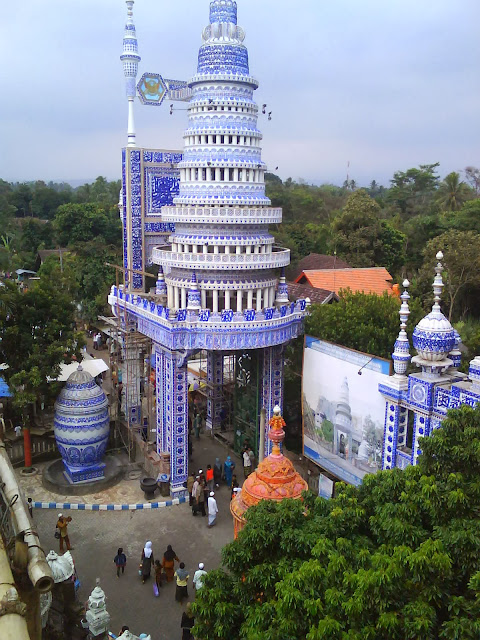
[(37, 334), (75, 223), (472, 176), (395, 559), (413, 190), (361, 321), (461, 261), (452, 192), (363, 239)]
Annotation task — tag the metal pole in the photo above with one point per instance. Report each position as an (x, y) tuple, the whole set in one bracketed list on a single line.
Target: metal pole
[(261, 446)]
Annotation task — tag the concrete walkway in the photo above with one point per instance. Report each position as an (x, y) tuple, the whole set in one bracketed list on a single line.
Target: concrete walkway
[(96, 536)]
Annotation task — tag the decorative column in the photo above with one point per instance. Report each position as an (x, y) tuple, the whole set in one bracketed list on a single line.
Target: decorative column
[(272, 385), (172, 414), (97, 616), (396, 415), (214, 391)]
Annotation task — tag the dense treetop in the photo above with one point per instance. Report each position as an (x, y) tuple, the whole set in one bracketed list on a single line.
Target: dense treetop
[(396, 559)]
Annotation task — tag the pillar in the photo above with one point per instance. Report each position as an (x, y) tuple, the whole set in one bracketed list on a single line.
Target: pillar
[(215, 390), (132, 370), (272, 382), (172, 414)]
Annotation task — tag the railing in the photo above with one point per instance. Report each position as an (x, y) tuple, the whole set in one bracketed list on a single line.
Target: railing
[(42, 447), (230, 261), (404, 459), (222, 215)]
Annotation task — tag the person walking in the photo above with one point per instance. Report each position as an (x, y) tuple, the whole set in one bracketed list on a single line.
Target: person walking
[(120, 561), (228, 469), (190, 483), (62, 526), (212, 510), (197, 423), (168, 562), (200, 496), (209, 477), (147, 561), (199, 577), (194, 496), (158, 575), (182, 576), (247, 463), (187, 623), (217, 472)]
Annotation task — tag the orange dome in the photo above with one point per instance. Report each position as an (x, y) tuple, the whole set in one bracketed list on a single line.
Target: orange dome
[(274, 479)]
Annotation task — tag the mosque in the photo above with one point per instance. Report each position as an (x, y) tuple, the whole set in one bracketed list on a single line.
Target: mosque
[(201, 215)]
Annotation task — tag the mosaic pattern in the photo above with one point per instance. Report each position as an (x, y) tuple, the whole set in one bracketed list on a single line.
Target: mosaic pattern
[(81, 427), (214, 390), (272, 386), (223, 11)]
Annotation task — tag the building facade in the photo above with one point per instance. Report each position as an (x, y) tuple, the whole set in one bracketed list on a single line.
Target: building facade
[(416, 404), (202, 216)]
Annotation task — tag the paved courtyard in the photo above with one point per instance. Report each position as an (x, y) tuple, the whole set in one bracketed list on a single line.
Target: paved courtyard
[(96, 536)]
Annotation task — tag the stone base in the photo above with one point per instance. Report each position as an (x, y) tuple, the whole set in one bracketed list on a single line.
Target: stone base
[(87, 474), (178, 492), (54, 478)]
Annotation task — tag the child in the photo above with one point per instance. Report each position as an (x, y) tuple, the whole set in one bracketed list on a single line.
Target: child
[(158, 574), (120, 560)]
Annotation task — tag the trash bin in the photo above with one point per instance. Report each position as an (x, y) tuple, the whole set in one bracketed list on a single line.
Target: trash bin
[(164, 484)]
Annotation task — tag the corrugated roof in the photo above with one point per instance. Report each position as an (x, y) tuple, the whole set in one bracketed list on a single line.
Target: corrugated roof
[(317, 296), (4, 390), (316, 261), (369, 280)]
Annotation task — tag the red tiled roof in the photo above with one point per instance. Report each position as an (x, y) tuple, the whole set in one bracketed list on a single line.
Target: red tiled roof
[(316, 261), (317, 296), (369, 280)]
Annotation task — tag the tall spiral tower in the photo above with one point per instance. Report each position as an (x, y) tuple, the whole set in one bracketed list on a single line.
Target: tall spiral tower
[(221, 214)]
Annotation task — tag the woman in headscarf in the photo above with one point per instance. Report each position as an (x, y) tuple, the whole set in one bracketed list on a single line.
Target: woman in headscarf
[(168, 562), (182, 577), (217, 472), (187, 622), (228, 468), (147, 561)]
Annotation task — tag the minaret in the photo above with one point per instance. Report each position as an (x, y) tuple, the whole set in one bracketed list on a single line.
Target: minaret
[(401, 352), (130, 60)]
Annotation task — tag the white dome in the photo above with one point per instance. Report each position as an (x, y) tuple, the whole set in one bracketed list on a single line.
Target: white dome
[(434, 337)]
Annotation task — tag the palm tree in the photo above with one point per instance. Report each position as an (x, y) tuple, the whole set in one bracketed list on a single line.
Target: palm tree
[(452, 192)]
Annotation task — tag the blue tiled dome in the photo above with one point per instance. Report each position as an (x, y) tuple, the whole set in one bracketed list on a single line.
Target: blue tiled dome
[(434, 337)]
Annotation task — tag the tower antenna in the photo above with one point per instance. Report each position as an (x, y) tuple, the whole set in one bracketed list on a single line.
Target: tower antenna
[(130, 60)]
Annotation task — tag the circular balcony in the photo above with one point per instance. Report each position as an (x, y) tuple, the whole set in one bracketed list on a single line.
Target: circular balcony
[(222, 215), (222, 261)]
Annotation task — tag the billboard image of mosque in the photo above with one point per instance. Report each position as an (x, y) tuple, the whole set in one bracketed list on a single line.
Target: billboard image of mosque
[(343, 412)]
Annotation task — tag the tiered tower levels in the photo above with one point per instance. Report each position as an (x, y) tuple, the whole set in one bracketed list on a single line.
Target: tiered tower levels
[(221, 214)]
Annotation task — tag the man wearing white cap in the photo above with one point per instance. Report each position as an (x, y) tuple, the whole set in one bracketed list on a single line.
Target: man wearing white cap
[(199, 577), (62, 524), (212, 510)]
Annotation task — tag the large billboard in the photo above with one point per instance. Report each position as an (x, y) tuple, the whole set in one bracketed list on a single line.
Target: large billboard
[(343, 412)]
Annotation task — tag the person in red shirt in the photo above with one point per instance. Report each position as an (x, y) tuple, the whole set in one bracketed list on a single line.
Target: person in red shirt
[(209, 477)]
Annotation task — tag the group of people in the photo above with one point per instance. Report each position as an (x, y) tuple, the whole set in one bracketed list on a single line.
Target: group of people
[(248, 460), (97, 341), (200, 492)]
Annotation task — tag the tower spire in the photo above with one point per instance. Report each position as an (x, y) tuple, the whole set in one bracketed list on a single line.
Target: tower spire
[(130, 60), (438, 283), (401, 352)]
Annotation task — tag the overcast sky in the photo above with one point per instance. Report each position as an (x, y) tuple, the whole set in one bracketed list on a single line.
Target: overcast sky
[(383, 84)]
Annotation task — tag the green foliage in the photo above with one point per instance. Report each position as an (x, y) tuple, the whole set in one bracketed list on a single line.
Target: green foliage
[(36, 335), (76, 223), (461, 277), (453, 193), (397, 558), (412, 191), (362, 239), (361, 321)]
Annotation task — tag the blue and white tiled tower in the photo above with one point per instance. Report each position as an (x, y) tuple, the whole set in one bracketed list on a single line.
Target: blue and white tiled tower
[(417, 403), (221, 285)]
